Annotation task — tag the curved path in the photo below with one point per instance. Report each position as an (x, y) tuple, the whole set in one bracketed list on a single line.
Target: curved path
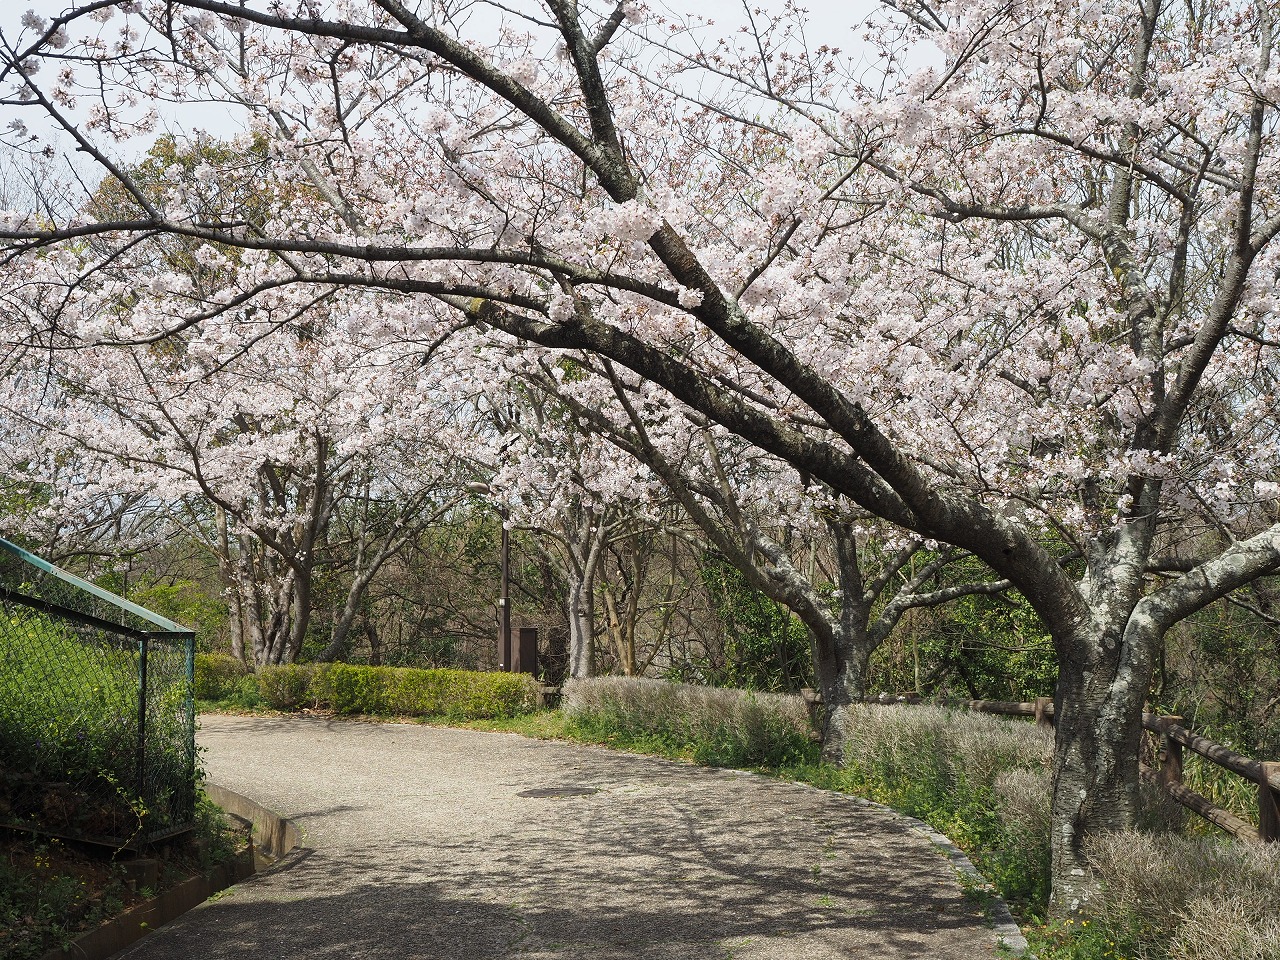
[(417, 845)]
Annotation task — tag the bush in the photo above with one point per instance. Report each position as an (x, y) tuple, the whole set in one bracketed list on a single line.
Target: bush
[(719, 726), (1186, 898), (399, 691), (457, 694), (218, 676), (347, 689), (287, 687)]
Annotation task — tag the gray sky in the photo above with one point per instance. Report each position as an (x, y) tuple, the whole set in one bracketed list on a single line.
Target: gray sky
[(832, 22)]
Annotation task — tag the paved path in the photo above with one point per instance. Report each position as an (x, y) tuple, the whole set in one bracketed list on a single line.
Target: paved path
[(418, 846)]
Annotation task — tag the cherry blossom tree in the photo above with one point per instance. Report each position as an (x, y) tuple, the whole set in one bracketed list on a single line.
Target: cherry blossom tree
[(1010, 288), (577, 497), (274, 456), (759, 514)]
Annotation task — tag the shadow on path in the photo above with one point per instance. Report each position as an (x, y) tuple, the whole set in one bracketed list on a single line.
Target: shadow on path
[(421, 848)]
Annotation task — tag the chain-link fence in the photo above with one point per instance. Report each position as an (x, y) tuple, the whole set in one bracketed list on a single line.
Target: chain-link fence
[(97, 719)]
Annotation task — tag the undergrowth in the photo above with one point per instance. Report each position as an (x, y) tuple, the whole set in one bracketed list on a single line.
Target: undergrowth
[(51, 890), (716, 726)]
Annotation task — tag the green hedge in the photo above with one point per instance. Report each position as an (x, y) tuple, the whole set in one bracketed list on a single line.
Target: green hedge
[(398, 691), (218, 676), (287, 687)]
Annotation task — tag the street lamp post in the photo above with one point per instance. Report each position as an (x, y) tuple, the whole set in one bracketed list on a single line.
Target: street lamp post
[(504, 601)]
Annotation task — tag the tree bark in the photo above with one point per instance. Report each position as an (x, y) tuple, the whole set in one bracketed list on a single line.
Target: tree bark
[(1098, 714), (581, 613)]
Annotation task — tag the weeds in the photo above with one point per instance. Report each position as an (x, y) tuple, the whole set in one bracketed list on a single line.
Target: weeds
[(1189, 898), (714, 726), (51, 891)]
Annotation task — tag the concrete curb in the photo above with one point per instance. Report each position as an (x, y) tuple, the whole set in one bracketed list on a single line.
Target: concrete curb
[(272, 835)]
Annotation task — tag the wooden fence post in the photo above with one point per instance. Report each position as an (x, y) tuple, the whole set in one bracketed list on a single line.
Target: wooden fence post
[(1268, 804), (1170, 757), (813, 705), (548, 696), (1044, 716)]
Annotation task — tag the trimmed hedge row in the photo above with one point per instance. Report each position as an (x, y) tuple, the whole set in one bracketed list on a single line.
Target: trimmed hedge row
[(393, 691), (218, 676)]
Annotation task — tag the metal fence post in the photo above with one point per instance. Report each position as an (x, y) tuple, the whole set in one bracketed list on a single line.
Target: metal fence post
[(142, 718)]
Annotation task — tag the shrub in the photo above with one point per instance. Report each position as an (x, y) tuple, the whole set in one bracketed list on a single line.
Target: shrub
[(218, 676), (719, 726), (187, 603), (457, 694), (399, 691), (348, 689), (981, 780), (286, 687), (1188, 898)]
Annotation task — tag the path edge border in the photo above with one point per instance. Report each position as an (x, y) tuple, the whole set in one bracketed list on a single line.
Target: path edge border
[(272, 836), (1007, 932)]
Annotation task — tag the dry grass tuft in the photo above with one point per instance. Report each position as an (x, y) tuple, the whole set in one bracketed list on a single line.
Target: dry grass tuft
[(1225, 928), (720, 726), (1024, 800), (935, 743), (1190, 898)]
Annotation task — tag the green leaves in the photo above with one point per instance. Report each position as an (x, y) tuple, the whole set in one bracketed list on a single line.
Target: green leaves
[(398, 691)]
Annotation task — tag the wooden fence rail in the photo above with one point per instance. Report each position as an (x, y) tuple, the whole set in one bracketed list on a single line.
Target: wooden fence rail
[(1263, 774)]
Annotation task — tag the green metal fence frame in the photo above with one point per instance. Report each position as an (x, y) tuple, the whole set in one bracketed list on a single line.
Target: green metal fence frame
[(165, 629)]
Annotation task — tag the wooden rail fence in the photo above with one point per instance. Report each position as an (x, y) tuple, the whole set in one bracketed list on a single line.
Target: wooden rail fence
[(1174, 738)]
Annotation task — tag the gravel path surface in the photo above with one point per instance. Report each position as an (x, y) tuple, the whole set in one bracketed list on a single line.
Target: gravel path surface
[(418, 845)]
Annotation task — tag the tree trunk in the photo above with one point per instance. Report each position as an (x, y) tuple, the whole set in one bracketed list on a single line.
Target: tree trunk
[(581, 613), (585, 540), (375, 641), (622, 632), (840, 667), (1098, 710)]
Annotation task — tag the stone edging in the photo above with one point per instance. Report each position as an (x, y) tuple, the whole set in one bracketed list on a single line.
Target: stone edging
[(272, 835), (1008, 934)]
